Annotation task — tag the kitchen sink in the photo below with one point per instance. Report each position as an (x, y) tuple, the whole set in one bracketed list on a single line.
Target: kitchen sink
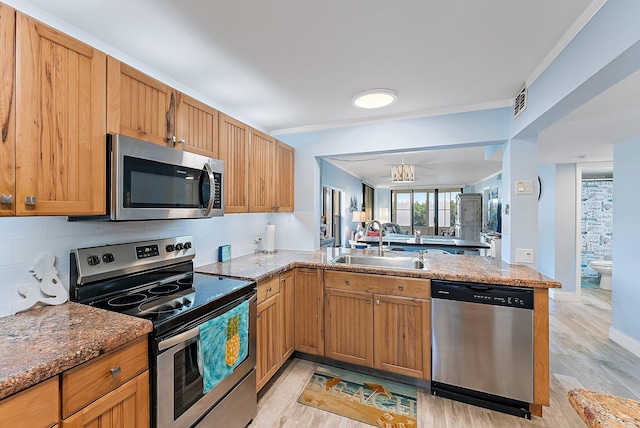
[(377, 261)]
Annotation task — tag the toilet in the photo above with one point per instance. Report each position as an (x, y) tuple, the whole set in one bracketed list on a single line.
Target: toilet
[(604, 268)]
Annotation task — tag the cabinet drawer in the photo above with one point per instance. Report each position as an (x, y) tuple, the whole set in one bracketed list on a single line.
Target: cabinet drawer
[(268, 288), (89, 381), (392, 285), (36, 407)]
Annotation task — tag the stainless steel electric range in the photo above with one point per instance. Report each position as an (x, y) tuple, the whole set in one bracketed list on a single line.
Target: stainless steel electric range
[(155, 280)]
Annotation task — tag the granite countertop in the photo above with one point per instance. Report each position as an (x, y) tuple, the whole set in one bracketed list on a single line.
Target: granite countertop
[(604, 410), (261, 266), (40, 343)]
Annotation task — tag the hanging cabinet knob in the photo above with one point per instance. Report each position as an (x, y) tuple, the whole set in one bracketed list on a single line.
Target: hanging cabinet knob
[(30, 200), (182, 141), (6, 199)]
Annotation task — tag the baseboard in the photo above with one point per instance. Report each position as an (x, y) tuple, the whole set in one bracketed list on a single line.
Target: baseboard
[(563, 296), (629, 343)]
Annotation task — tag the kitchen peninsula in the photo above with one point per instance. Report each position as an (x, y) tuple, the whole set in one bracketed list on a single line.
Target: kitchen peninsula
[(401, 242), (297, 291)]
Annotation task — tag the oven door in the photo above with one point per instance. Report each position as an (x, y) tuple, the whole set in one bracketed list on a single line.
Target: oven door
[(179, 398), (149, 182)]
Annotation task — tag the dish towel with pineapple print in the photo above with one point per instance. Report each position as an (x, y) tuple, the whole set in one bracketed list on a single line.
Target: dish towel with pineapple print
[(223, 344)]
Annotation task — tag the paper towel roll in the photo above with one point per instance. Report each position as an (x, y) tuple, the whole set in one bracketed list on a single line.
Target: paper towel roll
[(270, 238)]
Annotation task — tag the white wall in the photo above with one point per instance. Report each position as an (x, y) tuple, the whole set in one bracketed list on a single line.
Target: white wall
[(23, 239), (626, 280), (547, 220), (566, 223)]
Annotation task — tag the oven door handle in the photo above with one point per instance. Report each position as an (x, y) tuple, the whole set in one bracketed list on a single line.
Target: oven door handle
[(182, 337)]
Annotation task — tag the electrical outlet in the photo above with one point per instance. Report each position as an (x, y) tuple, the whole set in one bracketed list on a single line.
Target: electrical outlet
[(524, 256)]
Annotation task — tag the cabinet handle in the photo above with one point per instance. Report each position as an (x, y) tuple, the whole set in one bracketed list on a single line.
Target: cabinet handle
[(346, 282), (269, 290), (182, 141), (258, 315), (377, 302), (172, 139), (401, 287), (115, 371), (368, 300), (30, 200), (6, 199)]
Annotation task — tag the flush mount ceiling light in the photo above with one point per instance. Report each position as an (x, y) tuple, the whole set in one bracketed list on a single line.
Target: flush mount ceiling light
[(374, 98), (403, 173)]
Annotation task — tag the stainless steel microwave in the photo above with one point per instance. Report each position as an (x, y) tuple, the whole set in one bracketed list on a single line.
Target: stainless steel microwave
[(150, 182)]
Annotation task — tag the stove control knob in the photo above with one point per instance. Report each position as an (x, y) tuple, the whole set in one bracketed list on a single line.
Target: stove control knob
[(170, 248), (187, 245), (108, 258), (93, 260), (179, 247)]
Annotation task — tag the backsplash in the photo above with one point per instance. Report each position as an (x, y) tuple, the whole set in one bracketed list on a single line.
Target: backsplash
[(23, 239), (597, 224)]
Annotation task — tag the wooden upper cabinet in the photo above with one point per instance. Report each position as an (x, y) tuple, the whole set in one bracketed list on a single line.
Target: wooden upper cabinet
[(139, 106), (60, 123), (196, 126), (262, 172), (234, 151), (7, 111), (284, 177)]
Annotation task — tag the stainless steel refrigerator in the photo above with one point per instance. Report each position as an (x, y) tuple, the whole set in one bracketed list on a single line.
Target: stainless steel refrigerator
[(469, 216)]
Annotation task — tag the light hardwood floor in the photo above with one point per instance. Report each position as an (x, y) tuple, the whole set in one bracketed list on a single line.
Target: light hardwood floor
[(581, 356)]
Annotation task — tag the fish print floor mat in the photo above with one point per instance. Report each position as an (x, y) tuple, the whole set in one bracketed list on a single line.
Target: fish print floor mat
[(377, 402)]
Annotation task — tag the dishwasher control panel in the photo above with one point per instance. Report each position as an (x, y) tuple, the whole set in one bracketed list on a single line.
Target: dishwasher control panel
[(497, 295)]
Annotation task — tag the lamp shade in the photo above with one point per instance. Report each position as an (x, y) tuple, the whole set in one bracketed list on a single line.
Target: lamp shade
[(402, 173), (359, 216)]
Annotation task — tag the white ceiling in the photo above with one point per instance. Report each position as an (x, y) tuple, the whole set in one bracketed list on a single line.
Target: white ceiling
[(289, 65)]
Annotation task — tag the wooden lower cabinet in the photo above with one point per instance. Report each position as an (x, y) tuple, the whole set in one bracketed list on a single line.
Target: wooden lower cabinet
[(401, 342), (125, 407), (268, 340), (378, 321), (286, 315), (348, 319), (36, 407), (309, 301)]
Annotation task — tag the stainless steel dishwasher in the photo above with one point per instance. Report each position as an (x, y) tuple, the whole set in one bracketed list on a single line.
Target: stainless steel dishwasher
[(482, 345)]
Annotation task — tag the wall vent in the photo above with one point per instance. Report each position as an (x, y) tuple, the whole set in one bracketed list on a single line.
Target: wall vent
[(520, 104)]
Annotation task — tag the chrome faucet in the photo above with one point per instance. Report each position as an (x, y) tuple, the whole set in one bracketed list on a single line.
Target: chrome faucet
[(381, 232)]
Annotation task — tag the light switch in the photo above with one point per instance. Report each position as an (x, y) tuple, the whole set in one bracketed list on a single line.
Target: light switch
[(524, 187)]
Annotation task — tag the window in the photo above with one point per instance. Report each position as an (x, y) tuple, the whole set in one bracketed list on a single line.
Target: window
[(429, 211)]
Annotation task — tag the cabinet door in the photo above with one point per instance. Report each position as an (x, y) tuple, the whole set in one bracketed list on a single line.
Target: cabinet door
[(196, 126), (60, 122), (401, 335), (284, 177), (138, 105), (348, 329), (36, 407), (262, 172), (287, 340), (7, 110), (308, 311), (234, 151), (125, 407), (267, 340)]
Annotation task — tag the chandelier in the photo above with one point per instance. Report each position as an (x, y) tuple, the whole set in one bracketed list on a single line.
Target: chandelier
[(402, 173)]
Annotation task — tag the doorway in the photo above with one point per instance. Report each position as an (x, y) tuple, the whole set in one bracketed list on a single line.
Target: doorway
[(331, 221)]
